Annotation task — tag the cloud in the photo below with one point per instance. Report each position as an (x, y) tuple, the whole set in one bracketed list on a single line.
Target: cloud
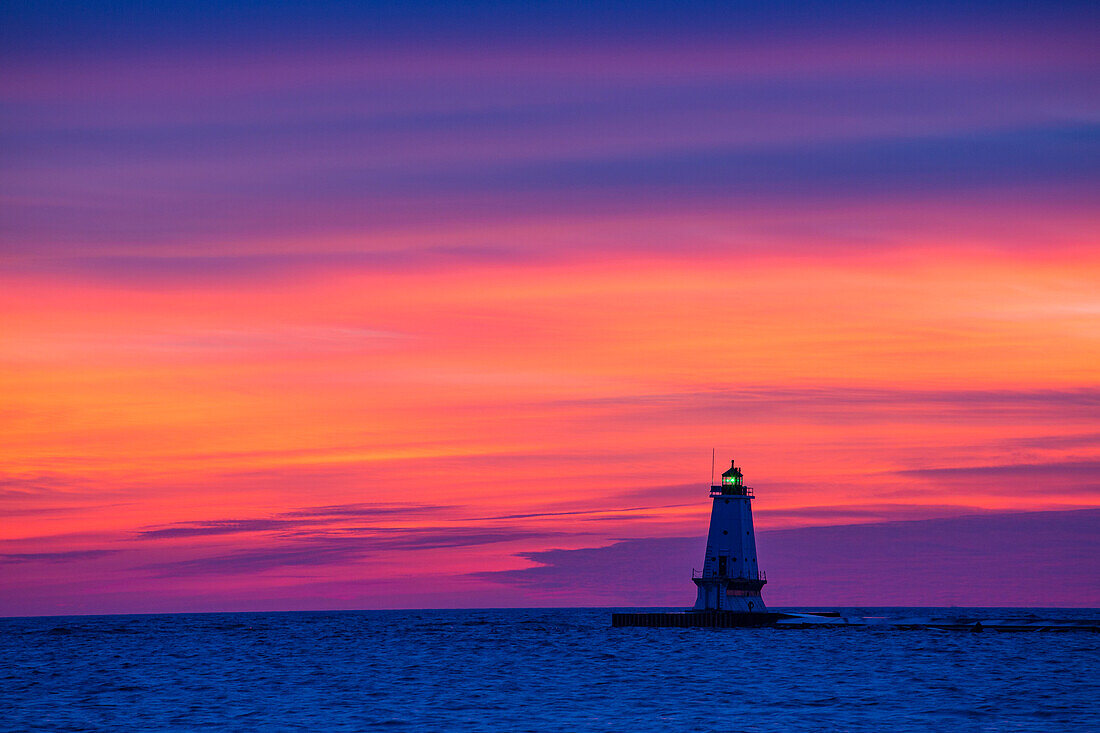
[(1081, 469), (317, 551), (1074, 476), (874, 167), (863, 513), (119, 145), (219, 527), (663, 491), (189, 267), (51, 493), (55, 557), (1076, 440), (308, 517), (366, 509), (764, 394), (581, 512), (846, 404), (1027, 559), (13, 487)]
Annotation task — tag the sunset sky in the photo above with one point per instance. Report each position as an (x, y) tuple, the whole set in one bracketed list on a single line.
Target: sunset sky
[(344, 305)]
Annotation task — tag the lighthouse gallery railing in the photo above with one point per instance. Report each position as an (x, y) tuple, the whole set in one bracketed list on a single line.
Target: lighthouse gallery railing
[(760, 575), (731, 491)]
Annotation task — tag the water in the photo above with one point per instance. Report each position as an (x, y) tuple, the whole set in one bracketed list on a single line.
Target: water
[(534, 670)]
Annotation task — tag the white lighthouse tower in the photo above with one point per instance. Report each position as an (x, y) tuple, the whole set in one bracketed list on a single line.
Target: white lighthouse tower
[(730, 579)]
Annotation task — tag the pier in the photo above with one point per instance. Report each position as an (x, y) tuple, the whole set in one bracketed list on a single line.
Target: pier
[(695, 619), (834, 620)]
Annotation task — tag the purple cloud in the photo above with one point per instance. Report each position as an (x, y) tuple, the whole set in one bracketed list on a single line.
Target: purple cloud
[(1087, 470), (582, 512), (55, 557), (308, 517), (354, 545), (848, 404), (1058, 476), (1049, 559), (366, 509), (219, 527)]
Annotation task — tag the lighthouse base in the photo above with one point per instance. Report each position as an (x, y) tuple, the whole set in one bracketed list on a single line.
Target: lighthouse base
[(729, 595)]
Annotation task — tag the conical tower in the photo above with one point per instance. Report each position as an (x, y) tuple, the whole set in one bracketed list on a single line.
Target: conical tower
[(730, 579)]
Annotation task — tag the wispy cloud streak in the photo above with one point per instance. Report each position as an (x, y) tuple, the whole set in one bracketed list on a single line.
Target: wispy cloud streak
[(335, 551)]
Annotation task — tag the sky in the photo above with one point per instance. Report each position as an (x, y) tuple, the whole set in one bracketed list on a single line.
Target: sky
[(353, 305)]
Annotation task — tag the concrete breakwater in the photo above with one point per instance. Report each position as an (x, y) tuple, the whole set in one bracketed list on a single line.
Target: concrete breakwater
[(823, 620), (703, 619)]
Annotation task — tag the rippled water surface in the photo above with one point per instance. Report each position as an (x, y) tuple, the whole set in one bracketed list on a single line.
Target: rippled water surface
[(520, 670)]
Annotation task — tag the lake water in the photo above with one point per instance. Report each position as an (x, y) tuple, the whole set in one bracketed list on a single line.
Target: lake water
[(535, 670)]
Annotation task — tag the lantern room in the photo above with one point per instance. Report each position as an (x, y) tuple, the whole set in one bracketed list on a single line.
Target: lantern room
[(733, 476)]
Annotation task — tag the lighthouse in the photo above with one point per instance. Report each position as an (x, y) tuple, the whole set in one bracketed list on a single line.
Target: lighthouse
[(731, 579)]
